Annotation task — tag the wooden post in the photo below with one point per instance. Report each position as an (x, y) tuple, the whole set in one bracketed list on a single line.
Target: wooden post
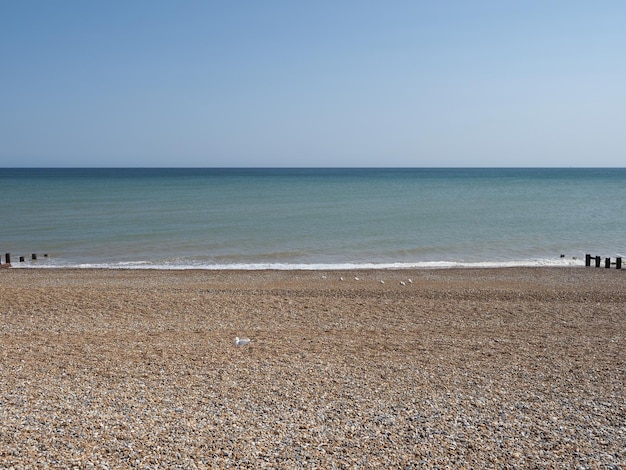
[(21, 259), (607, 262), (587, 260), (34, 256), (598, 261), (618, 262), (7, 257)]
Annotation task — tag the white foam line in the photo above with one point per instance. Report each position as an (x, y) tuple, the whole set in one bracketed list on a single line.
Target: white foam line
[(559, 262)]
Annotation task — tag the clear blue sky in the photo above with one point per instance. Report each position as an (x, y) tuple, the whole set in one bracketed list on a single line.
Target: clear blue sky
[(315, 83)]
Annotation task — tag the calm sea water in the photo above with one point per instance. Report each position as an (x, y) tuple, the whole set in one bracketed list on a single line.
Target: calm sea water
[(310, 218)]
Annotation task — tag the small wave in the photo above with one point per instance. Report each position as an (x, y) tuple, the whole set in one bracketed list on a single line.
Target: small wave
[(558, 262)]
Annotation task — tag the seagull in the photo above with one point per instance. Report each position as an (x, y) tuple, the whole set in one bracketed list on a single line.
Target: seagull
[(382, 282), (356, 279), (402, 283), (241, 341), (341, 278), (410, 281)]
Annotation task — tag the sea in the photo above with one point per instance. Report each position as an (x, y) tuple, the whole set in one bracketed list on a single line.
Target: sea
[(310, 218)]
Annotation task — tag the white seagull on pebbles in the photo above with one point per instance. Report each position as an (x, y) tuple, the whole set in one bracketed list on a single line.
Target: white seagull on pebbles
[(241, 341)]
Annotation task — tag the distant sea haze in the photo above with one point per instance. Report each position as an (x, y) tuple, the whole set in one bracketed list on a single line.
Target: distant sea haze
[(311, 218)]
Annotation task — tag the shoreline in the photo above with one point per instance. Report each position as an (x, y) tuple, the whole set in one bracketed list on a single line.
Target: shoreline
[(49, 263), (486, 367)]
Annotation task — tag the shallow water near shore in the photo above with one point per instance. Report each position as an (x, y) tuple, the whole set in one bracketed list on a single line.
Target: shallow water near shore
[(311, 218)]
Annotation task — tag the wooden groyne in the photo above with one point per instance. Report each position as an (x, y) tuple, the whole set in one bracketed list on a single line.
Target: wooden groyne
[(7, 262), (597, 261), (7, 259)]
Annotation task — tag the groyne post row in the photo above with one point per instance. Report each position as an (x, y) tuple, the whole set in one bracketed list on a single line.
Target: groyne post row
[(607, 261), (7, 258)]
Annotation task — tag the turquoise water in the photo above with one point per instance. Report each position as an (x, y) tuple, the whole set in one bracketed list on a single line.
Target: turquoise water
[(311, 218)]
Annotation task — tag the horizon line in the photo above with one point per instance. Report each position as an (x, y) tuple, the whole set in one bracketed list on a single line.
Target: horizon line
[(304, 167)]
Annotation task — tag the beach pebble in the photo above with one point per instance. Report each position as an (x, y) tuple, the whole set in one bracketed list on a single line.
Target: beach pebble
[(519, 368)]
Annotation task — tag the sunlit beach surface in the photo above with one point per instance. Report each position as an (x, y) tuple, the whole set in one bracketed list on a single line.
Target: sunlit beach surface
[(483, 368)]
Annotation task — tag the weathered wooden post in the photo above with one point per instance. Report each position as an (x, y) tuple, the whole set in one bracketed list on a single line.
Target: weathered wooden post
[(618, 262), (587, 260), (598, 259), (21, 259), (7, 257), (34, 255), (607, 262)]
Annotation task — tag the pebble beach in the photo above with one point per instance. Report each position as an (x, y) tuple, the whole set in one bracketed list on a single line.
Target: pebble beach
[(453, 368)]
